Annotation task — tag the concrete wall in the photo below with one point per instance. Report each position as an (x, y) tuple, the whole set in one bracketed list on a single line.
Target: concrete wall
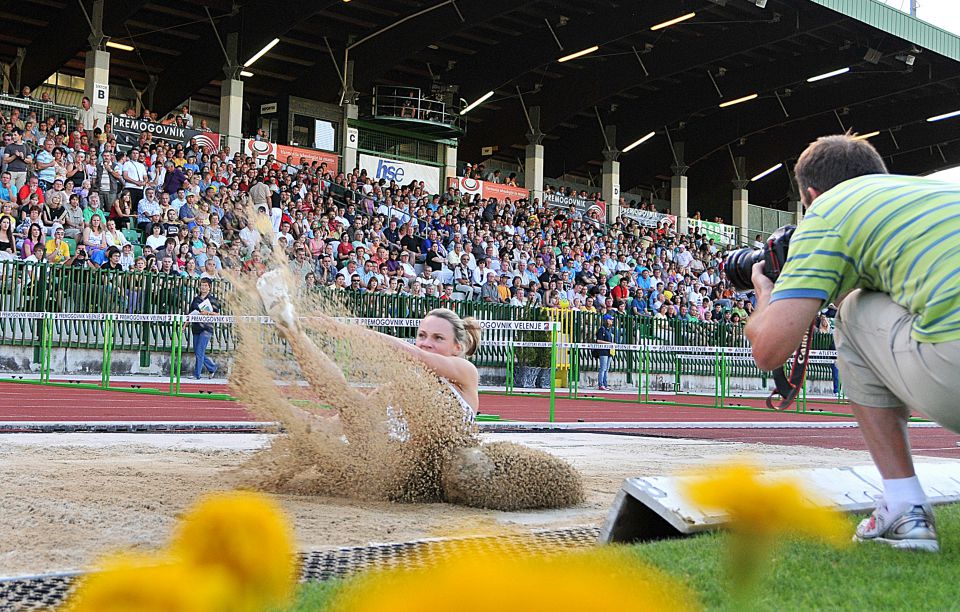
[(19, 360), (65, 362)]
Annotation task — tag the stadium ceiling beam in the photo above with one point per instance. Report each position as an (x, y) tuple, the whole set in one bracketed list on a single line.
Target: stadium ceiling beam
[(774, 141), (67, 34), (376, 58), (537, 48), (895, 148), (916, 149), (923, 156), (619, 74), (697, 101), (870, 107), (258, 23)]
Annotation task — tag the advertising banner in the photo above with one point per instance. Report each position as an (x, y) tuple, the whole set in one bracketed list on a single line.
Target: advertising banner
[(648, 218), (486, 190), (210, 141), (721, 233), (403, 172), (261, 149), (584, 206), (128, 130)]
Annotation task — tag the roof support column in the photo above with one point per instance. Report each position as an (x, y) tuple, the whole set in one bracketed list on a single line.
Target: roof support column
[(449, 165), (610, 181), (794, 205), (350, 113), (533, 165), (231, 97), (96, 74), (678, 188), (18, 62), (741, 202), (151, 89)]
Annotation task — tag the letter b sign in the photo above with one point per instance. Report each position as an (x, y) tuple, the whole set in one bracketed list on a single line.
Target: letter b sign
[(101, 94)]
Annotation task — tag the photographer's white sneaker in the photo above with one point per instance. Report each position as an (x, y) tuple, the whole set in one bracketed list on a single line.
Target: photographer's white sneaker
[(912, 529)]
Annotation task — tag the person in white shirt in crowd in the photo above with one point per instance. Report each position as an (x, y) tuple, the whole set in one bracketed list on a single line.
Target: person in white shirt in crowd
[(408, 272), (127, 257), (186, 116), (157, 238), (350, 269), (147, 208), (480, 273), (135, 175), (683, 256), (87, 118), (710, 277), (178, 202), (250, 238)]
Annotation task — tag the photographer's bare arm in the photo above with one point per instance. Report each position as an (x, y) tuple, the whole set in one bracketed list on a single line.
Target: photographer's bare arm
[(776, 330)]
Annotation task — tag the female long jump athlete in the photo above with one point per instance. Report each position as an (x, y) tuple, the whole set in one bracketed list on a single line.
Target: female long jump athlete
[(499, 475)]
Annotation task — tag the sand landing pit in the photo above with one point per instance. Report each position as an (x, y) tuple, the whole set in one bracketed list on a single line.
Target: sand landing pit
[(66, 498), (372, 421)]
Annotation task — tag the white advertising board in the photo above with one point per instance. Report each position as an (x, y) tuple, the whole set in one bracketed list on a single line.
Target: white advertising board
[(655, 507), (401, 171)]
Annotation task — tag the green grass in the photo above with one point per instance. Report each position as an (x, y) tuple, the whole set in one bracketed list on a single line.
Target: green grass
[(801, 575)]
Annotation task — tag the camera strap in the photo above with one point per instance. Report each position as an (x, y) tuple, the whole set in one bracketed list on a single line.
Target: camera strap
[(789, 382)]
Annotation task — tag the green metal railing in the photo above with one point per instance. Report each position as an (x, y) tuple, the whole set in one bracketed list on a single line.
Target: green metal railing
[(50, 288)]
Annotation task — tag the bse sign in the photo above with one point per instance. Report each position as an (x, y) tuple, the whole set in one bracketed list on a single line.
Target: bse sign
[(402, 172), (389, 172)]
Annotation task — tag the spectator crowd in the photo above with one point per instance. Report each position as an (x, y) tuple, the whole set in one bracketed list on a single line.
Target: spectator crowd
[(70, 196)]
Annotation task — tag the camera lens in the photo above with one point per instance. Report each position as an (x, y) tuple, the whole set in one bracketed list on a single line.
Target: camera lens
[(738, 266)]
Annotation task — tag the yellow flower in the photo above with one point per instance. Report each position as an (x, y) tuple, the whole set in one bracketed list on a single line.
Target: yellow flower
[(609, 578), (150, 584), (766, 506), (759, 509), (246, 536)]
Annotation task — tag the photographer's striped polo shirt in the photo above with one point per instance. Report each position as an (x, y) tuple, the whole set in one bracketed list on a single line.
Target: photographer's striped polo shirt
[(895, 234)]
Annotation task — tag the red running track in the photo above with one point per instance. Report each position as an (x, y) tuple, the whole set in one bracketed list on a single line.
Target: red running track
[(537, 408), (24, 402), (27, 402)]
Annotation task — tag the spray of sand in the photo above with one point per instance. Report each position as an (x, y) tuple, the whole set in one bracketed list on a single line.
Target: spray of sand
[(338, 436)]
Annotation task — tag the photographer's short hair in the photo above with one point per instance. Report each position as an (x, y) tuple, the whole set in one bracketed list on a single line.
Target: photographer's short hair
[(831, 160)]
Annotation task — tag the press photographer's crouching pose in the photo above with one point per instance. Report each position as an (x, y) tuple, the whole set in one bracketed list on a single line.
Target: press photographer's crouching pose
[(887, 248)]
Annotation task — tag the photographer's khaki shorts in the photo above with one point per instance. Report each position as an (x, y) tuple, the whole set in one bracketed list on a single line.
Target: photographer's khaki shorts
[(881, 366)]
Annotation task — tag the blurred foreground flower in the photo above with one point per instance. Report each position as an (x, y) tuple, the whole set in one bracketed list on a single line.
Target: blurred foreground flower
[(474, 580), (124, 583), (245, 535), (233, 552), (760, 510)]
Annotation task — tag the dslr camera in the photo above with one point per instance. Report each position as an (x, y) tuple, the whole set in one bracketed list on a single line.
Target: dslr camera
[(738, 265)]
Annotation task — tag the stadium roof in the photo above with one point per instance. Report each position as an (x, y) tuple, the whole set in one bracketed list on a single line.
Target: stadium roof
[(670, 80)]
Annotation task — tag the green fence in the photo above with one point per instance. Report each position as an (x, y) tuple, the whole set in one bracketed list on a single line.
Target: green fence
[(27, 287)]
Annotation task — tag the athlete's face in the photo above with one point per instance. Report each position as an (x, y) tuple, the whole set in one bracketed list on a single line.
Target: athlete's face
[(436, 335)]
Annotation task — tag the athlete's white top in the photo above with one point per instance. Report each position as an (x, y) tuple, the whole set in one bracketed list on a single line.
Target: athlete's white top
[(398, 424)]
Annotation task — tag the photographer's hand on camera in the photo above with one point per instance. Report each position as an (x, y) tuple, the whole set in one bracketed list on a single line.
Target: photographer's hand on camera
[(776, 329), (762, 286)]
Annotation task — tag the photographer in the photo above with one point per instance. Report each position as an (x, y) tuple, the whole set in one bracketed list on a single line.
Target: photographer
[(880, 246)]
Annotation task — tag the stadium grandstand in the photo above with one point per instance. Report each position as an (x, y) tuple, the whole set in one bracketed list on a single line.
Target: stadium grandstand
[(571, 156), (431, 255), (616, 152)]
